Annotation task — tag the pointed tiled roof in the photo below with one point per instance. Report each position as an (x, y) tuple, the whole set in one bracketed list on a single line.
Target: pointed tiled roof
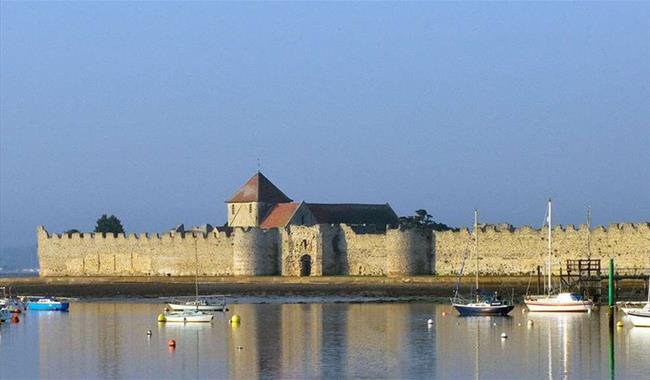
[(259, 189)]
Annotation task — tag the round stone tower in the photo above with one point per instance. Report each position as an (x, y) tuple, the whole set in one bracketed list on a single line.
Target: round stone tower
[(255, 252), (409, 252)]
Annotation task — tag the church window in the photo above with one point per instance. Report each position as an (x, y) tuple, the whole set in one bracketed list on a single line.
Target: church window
[(250, 209), (232, 209)]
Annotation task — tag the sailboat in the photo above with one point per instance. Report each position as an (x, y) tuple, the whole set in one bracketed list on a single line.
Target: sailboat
[(206, 303), (641, 317), (484, 303), (560, 302)]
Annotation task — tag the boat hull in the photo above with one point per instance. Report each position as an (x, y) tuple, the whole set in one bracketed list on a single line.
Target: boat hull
[(569, 307), (182, 307), (639, 318), (467, 310), (56, 306), (5, 315), (188, 319)]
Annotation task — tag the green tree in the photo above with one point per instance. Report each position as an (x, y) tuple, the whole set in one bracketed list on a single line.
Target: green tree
[(109, 224), (422, 219)]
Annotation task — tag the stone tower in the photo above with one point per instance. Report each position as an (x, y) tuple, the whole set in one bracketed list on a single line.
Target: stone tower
[(252, 202)]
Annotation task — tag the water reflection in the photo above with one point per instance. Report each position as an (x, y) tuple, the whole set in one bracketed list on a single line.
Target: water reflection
[(320, 341)]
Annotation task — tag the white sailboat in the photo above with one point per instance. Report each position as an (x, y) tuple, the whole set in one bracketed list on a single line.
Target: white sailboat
[(211, 303), (641, 317), (560, 302)]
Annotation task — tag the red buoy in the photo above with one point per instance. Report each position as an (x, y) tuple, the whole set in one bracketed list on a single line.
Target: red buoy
[(15, 319), (172, 343)]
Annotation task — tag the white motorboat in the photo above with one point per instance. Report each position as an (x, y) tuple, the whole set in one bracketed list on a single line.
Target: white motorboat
[(562, 301), (188, 316)]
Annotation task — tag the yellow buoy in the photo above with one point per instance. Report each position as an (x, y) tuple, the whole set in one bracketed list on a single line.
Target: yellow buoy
[(161, 318), (235, 319), (619, 324)]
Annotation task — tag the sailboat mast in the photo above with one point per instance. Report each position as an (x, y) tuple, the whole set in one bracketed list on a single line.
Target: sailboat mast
[(589, 232), (196, 276), (476, 247), (550, 224)]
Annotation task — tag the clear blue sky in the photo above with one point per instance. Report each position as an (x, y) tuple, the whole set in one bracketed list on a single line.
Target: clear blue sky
[(156, 112)]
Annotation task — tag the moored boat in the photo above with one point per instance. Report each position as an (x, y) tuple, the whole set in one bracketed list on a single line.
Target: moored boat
[(47, 303), (641, 318), (200, 305), (485, 304), (188, 316), (562, 301), (12, 304), (5, 315), (627, 306)]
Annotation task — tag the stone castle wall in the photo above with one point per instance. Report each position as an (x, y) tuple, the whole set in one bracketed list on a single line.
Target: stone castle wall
[(333, 250), (506, 250), (91, 254)]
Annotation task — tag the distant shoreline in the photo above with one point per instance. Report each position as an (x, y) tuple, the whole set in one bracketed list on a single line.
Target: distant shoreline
[(416, 286)]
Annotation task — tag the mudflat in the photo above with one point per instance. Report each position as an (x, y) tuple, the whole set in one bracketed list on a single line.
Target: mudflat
[(434, 286)]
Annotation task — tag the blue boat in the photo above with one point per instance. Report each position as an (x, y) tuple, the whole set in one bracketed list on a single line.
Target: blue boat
[(47, 303), (486, 304)]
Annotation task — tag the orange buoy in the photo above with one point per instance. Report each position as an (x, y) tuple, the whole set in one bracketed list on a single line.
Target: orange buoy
[(15, 319), (172, 343)]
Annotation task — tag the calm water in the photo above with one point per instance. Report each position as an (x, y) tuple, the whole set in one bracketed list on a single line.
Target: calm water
[(324, 340)]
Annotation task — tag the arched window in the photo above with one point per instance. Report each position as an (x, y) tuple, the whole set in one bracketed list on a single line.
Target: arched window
[(232, 209)]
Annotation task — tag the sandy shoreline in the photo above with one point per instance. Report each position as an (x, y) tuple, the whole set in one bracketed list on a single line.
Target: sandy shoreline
[(417, 286)]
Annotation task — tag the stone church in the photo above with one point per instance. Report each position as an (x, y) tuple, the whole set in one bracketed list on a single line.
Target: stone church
[(259, 203)]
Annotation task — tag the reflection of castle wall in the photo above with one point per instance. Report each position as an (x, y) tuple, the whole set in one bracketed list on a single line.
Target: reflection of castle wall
[(242, 363), (260, 334), (302, 335), (93, 350)]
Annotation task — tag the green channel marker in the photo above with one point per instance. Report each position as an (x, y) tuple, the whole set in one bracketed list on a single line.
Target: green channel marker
[(610, 287)]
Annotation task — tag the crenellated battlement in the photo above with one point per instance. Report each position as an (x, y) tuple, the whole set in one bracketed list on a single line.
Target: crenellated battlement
[(333, 249)]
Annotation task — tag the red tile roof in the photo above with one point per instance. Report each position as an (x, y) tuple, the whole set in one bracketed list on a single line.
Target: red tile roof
[(259, 189), (280, 215)]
